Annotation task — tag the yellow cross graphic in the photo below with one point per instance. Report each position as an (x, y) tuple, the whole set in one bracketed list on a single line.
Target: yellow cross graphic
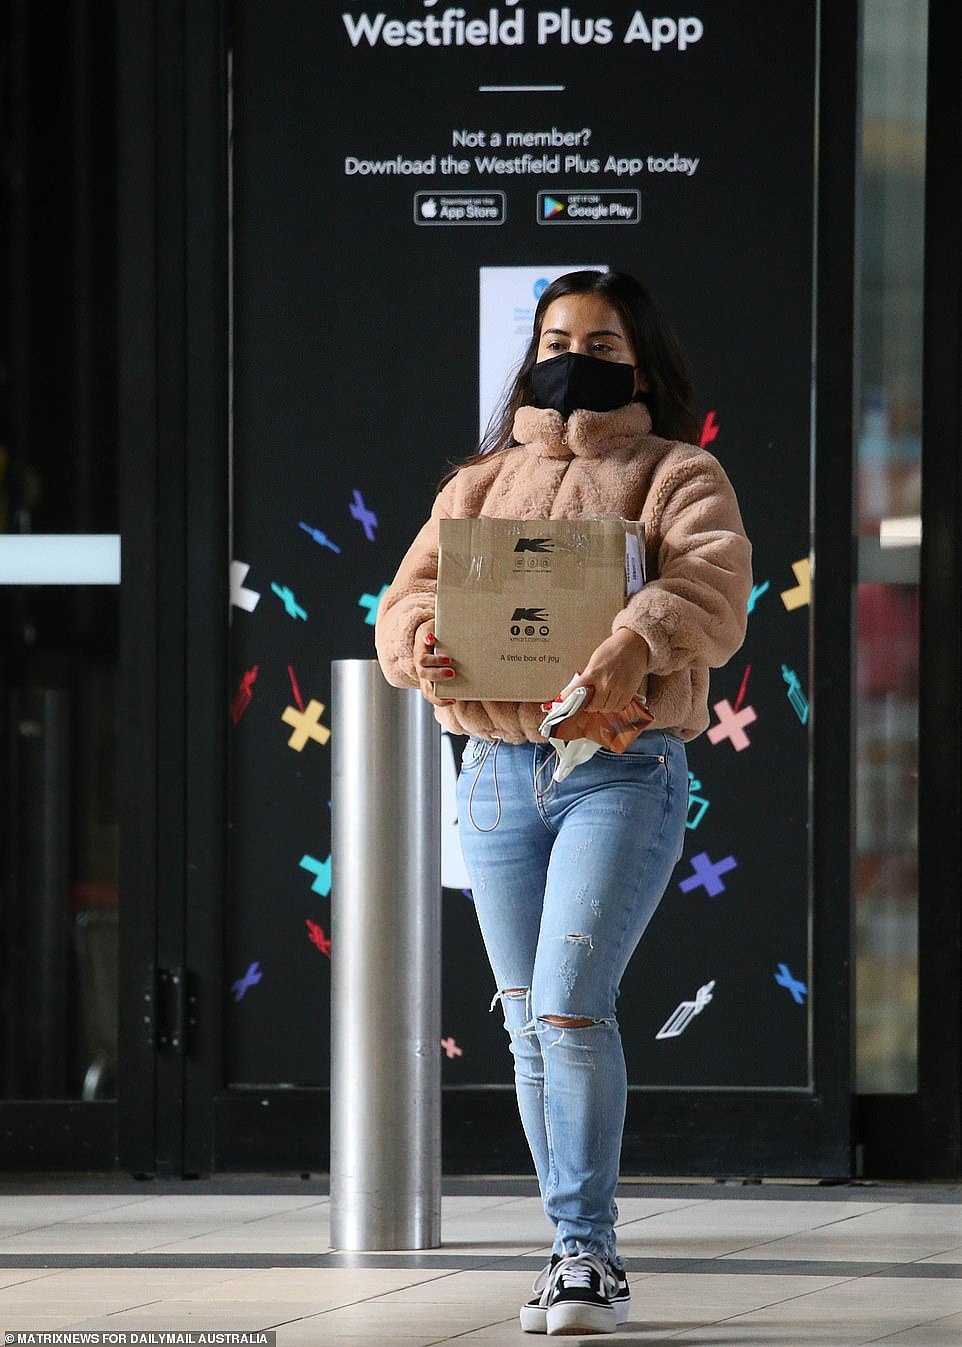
[(306, 725), (802, 593)]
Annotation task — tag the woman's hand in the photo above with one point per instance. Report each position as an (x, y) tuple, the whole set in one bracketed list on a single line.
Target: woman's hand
[(615, 671), (430, 665)]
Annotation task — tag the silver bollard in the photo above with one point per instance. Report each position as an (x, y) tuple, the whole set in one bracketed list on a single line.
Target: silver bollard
[(385, 964)]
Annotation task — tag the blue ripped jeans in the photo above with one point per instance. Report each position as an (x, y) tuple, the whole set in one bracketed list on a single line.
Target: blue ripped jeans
[(566, 876)]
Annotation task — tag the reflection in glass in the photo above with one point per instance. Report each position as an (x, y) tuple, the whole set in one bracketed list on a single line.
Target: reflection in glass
[(893, 179), (58, 475), (58, 844)]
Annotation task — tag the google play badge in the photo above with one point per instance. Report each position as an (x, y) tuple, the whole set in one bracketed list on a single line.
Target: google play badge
[(552, 206)]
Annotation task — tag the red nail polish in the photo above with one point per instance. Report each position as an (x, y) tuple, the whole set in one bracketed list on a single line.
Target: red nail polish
[(445, 659), (430, 638)]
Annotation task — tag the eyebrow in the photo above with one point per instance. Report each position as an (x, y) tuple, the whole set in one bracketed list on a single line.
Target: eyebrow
[(601, 332)]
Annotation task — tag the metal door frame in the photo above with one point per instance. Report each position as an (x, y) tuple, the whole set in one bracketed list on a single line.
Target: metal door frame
[(173, 330), (711, 1131)]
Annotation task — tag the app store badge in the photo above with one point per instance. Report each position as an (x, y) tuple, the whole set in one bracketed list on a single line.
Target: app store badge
[(460, 208), (559, 207)]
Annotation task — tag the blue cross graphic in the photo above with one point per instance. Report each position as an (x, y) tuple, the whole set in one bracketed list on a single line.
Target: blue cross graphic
[(798, 989), (321, 870), (756, 594), (371, 602), (707, 874), (319, 537), (796, 697), (365, 517), (250, 979), (697, 804), (293, 608)]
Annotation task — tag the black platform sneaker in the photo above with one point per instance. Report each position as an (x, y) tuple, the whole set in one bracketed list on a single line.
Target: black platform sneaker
[(534, 1313), (576, 1297)]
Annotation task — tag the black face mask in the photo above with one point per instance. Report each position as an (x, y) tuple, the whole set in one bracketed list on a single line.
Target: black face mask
[(569, 382)]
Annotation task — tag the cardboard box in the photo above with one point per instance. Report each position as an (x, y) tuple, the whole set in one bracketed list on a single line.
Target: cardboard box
[(522, 604)]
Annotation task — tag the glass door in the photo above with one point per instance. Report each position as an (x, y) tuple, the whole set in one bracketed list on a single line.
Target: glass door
[(889, 531), (908, 912), (60, 569)]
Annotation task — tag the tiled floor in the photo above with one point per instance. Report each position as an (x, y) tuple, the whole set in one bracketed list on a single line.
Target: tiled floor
[(771, 1265)]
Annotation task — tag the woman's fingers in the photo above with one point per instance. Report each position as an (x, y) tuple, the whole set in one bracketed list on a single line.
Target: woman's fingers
[(615, 670), (431, 665), (434, 667)]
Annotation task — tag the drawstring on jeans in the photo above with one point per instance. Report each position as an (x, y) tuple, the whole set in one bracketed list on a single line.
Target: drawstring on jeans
[(495, 744), (548, 762)]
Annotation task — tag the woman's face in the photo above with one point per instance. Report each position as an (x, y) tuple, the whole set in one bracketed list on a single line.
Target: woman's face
[(587, 324)]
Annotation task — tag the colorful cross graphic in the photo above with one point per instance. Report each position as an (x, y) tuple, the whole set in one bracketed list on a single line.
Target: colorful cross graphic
[(317, 936), (731, 724), (321, 870), (756, 594), (741, 688), (306, 725), (796, 697), (250, 979), (295, 687), (291, 605), (451, 1048), (694, 818), (239, 596), (319, 537), (371, 602), (365, 517), (709, 430), (798, 989), (683, 1014), (244, 694), (802, 593), (707, 873)]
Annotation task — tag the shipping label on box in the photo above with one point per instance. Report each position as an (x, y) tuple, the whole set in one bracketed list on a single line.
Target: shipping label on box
[(522, 604)]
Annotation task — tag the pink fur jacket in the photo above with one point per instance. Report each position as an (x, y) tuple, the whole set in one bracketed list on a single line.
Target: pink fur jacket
[(693, 610)]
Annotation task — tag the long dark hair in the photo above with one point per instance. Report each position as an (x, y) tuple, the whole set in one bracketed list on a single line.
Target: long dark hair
[(669, 397)]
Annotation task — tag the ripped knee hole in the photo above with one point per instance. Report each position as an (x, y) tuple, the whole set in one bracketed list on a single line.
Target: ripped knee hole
[(569, 1021)]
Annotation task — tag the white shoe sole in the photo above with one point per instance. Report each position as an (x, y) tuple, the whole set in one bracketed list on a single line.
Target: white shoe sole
[(571, 1318), (534, 1319)]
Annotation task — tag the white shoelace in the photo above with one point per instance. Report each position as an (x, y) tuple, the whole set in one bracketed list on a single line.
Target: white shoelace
[(576, 1270), (541, 1281)]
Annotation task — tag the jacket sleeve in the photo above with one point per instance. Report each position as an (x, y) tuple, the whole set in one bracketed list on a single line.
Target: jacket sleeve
[(410, 599), (694, 611)]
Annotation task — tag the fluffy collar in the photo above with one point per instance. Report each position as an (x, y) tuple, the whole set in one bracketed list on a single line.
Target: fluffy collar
[(584, 434)]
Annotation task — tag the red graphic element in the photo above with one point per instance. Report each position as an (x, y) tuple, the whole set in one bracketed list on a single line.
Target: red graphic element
[(741, 691), (294, 688), (318, 936), (731, 724), (243, 695), (709, 430), (451, 1048)]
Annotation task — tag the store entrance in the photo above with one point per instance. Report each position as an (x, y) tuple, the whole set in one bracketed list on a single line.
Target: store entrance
[(164, 941)]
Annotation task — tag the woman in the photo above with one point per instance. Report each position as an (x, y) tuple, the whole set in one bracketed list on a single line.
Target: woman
[(566, 873)]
